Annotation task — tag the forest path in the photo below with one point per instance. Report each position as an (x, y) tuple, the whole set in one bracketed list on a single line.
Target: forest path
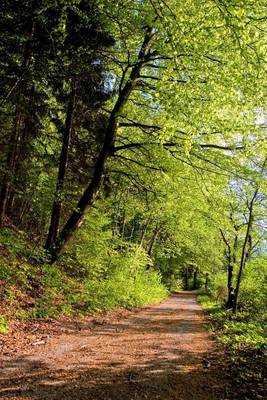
[(154, 353)]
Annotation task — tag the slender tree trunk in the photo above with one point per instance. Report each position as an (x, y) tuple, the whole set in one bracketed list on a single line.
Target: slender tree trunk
[(244, 250), (10, 201), (153, 241), (132, 230), (230, 298), (123, 223), (16, 135), (249, 249), (23, 209), (86, 201), (206, 281), (144, 230), (195, 280), (10, 166), (186, 279), (230, 268), (231, 262), (21, 151), (115, 215), (63, 161)]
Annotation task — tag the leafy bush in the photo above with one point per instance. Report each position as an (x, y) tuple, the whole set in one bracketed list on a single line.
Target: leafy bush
[(100, 272), (253, 291), (129, 284), (218, 287), (237, 331)]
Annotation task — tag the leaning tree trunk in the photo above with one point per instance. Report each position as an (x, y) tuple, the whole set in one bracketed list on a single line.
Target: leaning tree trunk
[(153, 240), (86, 201), (152, 243), (63, 161)]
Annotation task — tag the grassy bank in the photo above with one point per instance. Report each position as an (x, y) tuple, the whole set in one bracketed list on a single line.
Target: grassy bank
[(244, 336), (31, 288)]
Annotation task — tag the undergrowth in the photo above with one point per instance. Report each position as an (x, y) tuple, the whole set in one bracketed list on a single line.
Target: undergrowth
[(238, 331), (244, 336), (4, 324), (82, 283)]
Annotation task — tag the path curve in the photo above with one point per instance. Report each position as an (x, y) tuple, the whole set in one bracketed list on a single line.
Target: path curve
[(155, 353)]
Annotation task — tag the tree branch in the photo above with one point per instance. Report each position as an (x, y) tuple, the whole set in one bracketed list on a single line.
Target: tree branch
[(139, 163), (139, 125)]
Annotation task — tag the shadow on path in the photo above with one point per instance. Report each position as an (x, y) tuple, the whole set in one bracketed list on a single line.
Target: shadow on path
[(157, 354)]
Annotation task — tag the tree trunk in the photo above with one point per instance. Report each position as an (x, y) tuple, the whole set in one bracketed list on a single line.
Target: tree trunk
[(186, 279), (232, 261), (10, 166), (144, 230), (206, 281), (249, 249), (195, 280), (15, 138), (230, 268), (123, 223), (63, 161), (153, 240), (21, 151), (86, 201), (244, 250), (132, 231), (230, 298), (10, 201)]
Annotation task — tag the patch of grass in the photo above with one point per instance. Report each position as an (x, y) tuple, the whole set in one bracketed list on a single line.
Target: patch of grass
[(4, 324)]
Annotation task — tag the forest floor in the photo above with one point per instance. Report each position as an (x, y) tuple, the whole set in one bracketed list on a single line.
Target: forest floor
[(160, 352)]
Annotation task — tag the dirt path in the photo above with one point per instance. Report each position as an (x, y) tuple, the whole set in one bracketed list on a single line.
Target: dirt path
[(156, 353)]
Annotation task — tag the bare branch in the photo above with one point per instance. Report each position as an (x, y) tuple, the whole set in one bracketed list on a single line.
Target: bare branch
[(139, 125), (138, 163)]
